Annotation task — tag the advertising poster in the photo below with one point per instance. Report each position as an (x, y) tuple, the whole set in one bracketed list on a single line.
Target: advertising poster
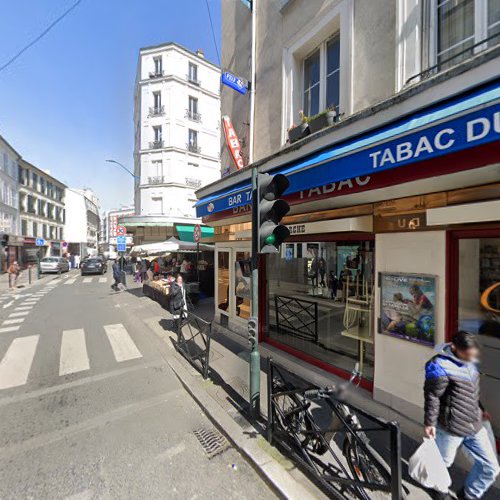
[(407, 307), (242, 277)]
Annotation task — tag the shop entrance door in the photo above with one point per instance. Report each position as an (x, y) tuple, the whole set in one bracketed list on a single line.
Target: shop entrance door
[(474, 297)]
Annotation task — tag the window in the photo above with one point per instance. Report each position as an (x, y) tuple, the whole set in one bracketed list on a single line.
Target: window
[(156, 204), (157, 101), (333, 73), (193, 139), (158, 64), (223, 281), (459, 26), (242, 287), (193, 109), (311, 84), (193, 73), (24, 227), (157, 133)]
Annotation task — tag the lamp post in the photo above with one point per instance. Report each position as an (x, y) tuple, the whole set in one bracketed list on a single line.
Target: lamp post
[(124, 168)]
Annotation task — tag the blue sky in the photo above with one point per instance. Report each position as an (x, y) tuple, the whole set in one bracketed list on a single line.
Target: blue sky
[(67, 104)]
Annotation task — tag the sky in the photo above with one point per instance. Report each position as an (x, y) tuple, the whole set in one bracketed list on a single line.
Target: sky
[(66, 105)]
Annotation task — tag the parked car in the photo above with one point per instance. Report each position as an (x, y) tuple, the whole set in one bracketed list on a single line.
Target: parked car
[(54, 265), (94, 265)]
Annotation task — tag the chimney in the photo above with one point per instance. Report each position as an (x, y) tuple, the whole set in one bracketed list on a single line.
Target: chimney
[(200, 53)]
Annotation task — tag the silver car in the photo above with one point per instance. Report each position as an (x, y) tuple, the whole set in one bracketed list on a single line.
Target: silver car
[(54, 265)]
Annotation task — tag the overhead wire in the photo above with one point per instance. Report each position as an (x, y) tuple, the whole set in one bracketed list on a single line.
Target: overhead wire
[(40, 36), (213, 31)]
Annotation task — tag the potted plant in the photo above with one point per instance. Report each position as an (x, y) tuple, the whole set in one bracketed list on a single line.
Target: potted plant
[(297, 132), (324, 119)]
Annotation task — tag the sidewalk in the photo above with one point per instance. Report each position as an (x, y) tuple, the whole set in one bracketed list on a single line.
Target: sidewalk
[(23, 282), (224, 398)]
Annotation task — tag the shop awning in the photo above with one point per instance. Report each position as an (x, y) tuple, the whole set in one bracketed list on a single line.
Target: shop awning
[(188, 246), (186, 232), (461, 123)]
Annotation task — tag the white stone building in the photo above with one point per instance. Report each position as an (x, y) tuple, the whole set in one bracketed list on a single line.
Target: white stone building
[(177, 130)]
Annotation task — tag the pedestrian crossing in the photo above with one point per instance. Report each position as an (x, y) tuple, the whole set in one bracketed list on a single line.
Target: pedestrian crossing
[(17, 362), (86, 280)]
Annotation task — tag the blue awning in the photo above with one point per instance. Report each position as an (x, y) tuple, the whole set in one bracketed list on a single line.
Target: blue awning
[(461, 123)]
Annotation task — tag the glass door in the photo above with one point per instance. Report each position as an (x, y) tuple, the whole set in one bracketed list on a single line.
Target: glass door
[(223, 280)]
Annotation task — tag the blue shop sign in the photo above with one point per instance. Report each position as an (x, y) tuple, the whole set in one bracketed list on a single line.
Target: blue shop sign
[(234, 82), (457, 126)]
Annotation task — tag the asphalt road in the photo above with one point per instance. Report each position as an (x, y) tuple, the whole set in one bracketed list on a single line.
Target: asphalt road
[(89, 408)]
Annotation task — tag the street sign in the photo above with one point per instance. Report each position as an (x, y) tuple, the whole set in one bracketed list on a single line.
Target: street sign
[(197, 233), (121, 247), (234, 82), (121, 240), (40, 242), (64, 244), (121, 230)]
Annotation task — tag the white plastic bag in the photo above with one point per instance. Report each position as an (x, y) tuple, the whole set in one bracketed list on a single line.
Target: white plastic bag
[(426, 466)]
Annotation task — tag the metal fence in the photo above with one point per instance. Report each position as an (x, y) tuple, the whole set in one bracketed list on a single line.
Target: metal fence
[(297, 317), (193, 341), (345, 450)]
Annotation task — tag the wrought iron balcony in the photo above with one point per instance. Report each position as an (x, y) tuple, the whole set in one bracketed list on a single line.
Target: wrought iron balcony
[(157, 111), (196, 117), (157, 179), (156, 74), (193, 148), (155, 144), (193, 80), (194, 183)]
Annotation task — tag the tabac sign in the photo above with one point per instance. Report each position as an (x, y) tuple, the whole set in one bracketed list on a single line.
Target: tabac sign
[(233, 143)]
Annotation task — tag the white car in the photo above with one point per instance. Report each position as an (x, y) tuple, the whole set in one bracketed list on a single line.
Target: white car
[(54, 265)]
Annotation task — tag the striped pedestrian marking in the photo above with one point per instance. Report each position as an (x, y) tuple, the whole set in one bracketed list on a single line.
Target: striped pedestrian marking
[(70, 281), (8, 304), (74, 357), (6, 329), (103, 280), (20, 313), (87, 280), (23, 308), (16, 364), (14, 321), (121, 343)]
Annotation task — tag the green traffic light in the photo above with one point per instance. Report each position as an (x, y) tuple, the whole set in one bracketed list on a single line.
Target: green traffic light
[(271, 239)]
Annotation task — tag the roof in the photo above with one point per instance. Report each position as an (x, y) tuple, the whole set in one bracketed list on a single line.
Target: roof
[(41, 172), (166, 45), (9, 145)]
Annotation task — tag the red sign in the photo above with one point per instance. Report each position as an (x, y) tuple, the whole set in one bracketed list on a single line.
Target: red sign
[(233, 143), (197, 233), (121, 231), (64, 244)]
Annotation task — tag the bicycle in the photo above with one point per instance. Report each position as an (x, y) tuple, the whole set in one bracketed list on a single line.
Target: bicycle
[(292, 414)]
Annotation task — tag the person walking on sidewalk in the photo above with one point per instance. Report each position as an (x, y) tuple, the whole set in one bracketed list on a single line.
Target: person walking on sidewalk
[(178, 303), (14, 271), (453, 414), (117, 275)]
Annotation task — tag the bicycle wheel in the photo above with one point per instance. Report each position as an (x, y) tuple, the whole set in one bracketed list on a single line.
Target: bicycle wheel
[(290, 416)]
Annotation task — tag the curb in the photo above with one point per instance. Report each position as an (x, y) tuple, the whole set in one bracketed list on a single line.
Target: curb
[(275, 469)]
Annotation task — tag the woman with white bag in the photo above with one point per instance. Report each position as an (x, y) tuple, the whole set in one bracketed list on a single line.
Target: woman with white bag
[(454, 416)]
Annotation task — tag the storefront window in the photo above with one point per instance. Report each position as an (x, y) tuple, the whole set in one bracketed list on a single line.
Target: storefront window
[(479, 312), (320, 301), (242, 290), (223, 281)]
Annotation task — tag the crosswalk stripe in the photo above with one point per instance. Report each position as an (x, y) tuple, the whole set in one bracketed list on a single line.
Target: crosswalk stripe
[(74, 357), (103, 280), (23, 308), (13, 321), (70, 281), (121, 343), (20, 313), (87, 280), (6, 329), (16, 364)]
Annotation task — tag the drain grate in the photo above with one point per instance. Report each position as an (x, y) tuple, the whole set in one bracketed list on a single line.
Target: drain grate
[(212, 441)]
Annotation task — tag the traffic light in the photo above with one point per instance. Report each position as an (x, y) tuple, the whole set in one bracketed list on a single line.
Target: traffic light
[(271, 210), (252, 330)]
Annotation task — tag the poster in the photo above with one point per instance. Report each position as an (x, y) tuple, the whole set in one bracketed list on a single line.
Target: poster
[(408, 307), (242, 277)]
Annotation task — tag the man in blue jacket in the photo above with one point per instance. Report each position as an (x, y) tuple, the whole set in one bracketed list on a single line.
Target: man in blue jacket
[(117, 275), (453, 413)]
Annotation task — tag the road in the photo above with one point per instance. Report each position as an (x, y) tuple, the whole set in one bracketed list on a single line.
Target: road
[(90, 408)]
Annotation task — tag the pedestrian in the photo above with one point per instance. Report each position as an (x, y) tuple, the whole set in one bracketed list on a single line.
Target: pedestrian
[(333, 284), (454, 415), (117, 275), (178, 303), (14, 271)]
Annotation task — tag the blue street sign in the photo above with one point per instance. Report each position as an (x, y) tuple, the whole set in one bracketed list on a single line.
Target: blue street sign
[(234, 82), (121, 240), (40, 242), (121, 247)]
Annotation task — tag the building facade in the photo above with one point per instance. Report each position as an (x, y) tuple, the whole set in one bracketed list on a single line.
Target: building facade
[(394, 185), (109, 224), (9, 212), (82, 222), (41, 212)]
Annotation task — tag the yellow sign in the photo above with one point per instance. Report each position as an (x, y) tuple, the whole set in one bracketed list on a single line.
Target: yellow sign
[(486, 295)]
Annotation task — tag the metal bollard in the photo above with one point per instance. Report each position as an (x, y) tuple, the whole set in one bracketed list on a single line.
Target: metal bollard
[(30, 267)]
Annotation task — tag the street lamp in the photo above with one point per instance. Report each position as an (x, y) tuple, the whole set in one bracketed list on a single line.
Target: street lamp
[(124, 168)]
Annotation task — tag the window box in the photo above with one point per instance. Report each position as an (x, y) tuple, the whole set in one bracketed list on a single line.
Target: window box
[(298, 132), (322, 120)]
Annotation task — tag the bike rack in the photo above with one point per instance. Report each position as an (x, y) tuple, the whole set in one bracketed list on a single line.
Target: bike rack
[(193, 341), (333, 476)]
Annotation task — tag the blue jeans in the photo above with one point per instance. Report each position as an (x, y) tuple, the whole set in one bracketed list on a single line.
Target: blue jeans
[(485, 468)]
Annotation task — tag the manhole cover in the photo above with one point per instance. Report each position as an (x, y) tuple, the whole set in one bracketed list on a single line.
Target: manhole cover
[(212, 441)]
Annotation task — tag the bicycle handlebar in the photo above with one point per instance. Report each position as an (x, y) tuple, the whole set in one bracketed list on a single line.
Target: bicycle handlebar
[(320, 393)]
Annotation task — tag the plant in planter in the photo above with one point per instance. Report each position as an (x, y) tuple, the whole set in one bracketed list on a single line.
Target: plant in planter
[(324, 119), (297, 132)]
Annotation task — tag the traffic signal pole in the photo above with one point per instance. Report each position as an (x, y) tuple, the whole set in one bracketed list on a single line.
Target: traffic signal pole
[(254, 339)]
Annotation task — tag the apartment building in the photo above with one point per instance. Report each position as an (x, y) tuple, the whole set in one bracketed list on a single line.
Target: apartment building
[(385, 118), (177, 137), (41, 212)]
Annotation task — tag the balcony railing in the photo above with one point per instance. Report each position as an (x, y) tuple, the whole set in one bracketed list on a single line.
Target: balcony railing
[(194, 183), (193, 148), (156, 74), (193, 80), (157, 179), (155, 144), (157, 111), (196, 117)]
